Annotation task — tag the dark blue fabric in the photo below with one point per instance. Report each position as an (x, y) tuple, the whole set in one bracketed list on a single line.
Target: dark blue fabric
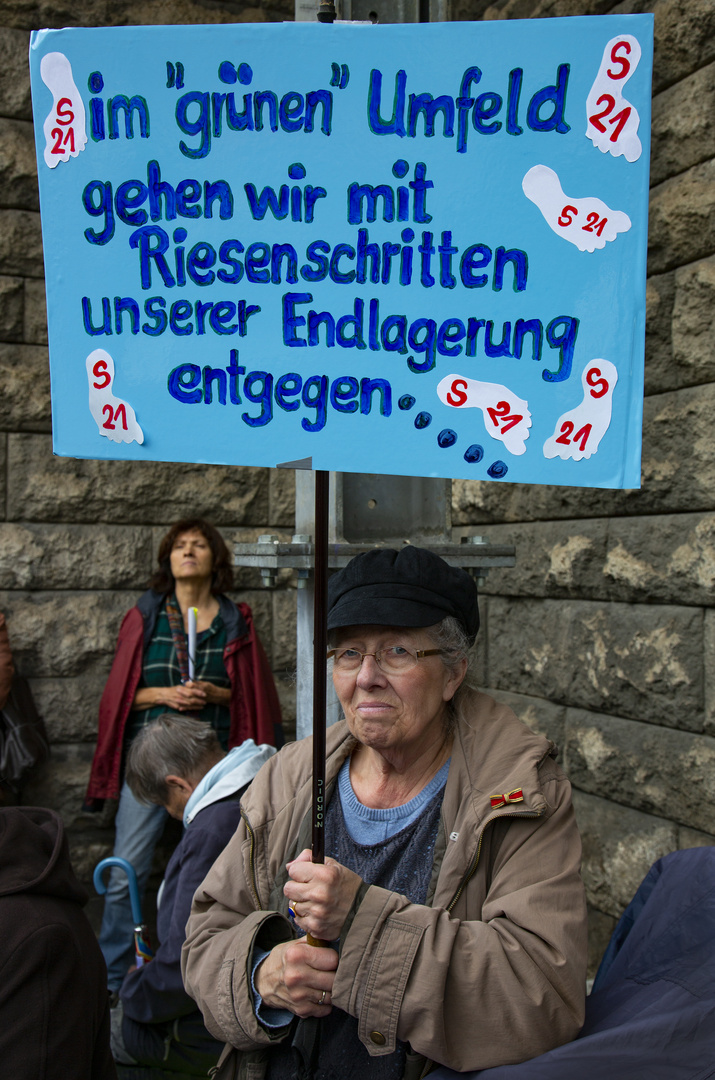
[(156, 992), (625, 923), (652, 1012)]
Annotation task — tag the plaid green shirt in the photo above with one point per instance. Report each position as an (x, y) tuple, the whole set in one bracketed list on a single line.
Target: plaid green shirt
[(161, 668)]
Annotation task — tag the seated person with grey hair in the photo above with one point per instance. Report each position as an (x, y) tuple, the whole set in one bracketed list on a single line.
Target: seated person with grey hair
[(178, 763)]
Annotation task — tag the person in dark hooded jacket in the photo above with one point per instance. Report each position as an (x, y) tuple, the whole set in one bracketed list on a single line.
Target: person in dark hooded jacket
[(53, 998)]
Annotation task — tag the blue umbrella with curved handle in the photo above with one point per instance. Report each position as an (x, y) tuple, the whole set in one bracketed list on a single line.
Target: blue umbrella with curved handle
[(142, 943)]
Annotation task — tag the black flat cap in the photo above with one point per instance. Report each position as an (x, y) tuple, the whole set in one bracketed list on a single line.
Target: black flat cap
[(410, 587)]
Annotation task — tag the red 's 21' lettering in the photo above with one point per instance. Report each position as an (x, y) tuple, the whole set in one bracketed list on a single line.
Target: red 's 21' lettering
[(567, 215), (624, 64), (599, 385), (597, 117), (120, 414), (64, 115), (566, 430), (581, 437), (623, 68), (456, 395), (593, 224), (100, 373), (501, 412), (62, 139), (619, 119)]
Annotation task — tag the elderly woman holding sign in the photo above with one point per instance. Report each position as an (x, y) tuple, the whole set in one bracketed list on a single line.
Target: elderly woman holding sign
[(451, 898)]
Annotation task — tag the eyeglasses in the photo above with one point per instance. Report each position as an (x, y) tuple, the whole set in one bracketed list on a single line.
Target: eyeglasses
[(393, 659)]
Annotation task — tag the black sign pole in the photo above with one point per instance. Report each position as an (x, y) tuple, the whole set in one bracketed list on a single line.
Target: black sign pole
[(320, 648), (326, 14)]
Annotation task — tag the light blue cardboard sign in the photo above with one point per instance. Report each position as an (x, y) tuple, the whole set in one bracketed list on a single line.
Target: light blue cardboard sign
[(401, 249)]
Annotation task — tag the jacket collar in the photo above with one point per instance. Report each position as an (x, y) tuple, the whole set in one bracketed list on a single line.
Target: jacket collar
[(150, 602), (232, 618), (494, 755), (227, 776)]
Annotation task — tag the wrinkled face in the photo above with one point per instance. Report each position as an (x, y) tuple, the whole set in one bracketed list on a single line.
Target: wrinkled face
[(191, 556), (394, 712)]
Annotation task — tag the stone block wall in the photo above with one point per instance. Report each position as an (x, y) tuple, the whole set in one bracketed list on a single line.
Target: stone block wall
[(78, 539), (602, 635)]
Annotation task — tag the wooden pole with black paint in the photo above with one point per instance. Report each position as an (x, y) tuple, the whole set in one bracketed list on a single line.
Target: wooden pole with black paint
[(320, 649)]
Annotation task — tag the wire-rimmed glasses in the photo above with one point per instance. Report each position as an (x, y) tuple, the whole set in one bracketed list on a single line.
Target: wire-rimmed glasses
[(392, 659)]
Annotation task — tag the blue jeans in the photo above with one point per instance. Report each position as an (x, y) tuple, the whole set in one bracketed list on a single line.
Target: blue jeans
[(137, 830)]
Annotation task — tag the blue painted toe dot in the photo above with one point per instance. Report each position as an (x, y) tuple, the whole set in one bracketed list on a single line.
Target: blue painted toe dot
[(406, 402), (474, 453), (497, 470), (423, 420), (245, 74), (447, 437), (227, 72)]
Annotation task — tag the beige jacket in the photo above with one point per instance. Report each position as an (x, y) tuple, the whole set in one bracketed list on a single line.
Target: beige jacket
[(491, 972)]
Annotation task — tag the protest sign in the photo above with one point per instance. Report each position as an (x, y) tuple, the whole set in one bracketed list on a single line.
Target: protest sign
[(410, 249)]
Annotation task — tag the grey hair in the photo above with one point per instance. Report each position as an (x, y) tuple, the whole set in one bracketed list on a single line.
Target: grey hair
[(172, 745), (450, 636)]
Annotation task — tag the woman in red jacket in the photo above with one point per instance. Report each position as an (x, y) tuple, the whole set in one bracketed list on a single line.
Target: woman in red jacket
[(233, 690)]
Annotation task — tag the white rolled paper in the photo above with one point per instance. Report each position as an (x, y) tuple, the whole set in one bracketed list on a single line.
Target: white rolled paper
[(193, 612)]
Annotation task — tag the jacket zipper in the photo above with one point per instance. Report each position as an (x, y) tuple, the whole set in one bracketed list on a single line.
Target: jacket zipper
[(471, 871), (252, 860)]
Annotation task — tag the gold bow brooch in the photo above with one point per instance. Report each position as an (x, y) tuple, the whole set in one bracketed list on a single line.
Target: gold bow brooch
[(516, 795)]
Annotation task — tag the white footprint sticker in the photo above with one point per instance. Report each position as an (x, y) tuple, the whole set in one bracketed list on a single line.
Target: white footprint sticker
[(65, 126), (115, 418), (578, 432), (588, 223), (612, 121), (506, 416)]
